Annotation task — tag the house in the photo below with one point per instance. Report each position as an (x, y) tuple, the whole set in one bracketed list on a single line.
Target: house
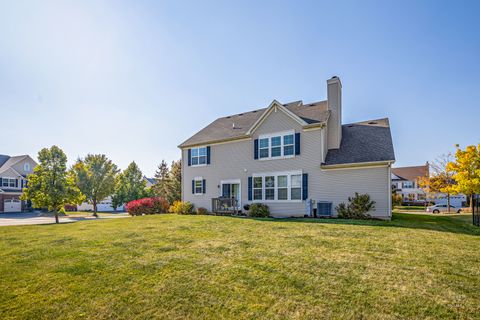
[(149, 182), (405, 183), (14, 173), (103, 206), (297, 158)]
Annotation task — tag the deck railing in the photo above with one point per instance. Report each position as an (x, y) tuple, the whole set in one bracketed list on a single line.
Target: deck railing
[(224, 205)]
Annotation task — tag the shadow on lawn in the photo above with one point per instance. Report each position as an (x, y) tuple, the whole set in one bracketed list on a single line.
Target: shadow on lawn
[(454, 223)]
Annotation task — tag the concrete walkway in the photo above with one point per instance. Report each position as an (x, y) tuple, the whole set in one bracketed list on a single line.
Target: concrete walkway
[(29, 218)]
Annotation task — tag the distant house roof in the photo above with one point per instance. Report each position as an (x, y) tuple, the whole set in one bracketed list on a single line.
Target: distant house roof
[(411, 173), (10, 161), (151, 180), (236, 126), (3, 159), (366, 141)]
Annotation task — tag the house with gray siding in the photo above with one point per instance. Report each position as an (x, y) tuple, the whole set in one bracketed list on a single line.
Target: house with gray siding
[(297, 158)]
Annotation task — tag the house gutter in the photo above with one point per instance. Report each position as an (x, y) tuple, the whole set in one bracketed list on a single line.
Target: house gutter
[(356, 165)]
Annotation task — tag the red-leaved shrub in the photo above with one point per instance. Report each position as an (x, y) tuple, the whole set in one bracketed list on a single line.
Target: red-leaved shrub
[(147, 206)]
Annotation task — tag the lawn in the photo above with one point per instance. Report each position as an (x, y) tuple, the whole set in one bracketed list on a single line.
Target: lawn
[(204, 267)]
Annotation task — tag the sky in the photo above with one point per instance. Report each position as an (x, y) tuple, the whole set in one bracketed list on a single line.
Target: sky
[(134, 79)]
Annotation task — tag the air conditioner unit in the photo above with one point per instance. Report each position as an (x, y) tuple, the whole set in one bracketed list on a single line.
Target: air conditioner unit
[(324, 208)]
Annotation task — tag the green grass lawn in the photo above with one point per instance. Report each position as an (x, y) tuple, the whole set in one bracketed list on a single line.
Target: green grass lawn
[(176, 267)]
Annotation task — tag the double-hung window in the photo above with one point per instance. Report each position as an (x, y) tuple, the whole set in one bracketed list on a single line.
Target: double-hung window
[(199, 156), (263, 147), (278, 145), (277, 186), (257, 188), (198, 186)]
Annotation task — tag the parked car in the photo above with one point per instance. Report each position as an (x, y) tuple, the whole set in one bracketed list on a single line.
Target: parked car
[(443, 208)]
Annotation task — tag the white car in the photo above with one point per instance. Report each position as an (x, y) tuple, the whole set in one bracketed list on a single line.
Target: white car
[(443, 208)]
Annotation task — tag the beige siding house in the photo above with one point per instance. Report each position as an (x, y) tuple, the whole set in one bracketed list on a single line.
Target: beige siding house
[(13, 178), (297, 158)]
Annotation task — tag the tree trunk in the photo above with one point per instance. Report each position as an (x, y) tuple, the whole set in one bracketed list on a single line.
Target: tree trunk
[(56, 216), (448, 202), (471, 207), (95, 209)]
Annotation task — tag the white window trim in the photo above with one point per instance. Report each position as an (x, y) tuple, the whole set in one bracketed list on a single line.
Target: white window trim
[(289, 187), (26, 167), (9, 178), (195, 187), (191, 157), (269, 137)]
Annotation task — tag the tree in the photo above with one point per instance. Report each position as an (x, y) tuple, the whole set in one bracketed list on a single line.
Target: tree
[(51, 185), (161, 178), (174, 184), (95, 176), (466, 171), (130, 185), (441, 178)]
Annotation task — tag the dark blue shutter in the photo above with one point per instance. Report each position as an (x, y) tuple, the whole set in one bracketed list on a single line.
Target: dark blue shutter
[(305, 186), (208, 155), (1, 182), (16, 183), (189, 157), (255, 149), (204, 186), (250, 188), (21, 183), (297, 143), (193, 186)]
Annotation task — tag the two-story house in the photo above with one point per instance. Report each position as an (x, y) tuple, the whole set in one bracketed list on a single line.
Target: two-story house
[(14, 172), (405, 182), (297, 158)]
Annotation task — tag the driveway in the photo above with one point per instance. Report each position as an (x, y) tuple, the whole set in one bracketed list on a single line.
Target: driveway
[(26, 218)]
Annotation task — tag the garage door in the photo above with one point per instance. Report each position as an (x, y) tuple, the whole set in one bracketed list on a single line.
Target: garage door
[(12, 205)]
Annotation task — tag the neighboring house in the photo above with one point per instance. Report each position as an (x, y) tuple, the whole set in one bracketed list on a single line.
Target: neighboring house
[(405, 183), (103, 206), (297, 158), (149, 181), (14, 173)]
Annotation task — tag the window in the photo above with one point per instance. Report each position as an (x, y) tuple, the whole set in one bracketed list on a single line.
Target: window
[(199, 156), (9, 182), (288, 145), (270, 188), (281, 186), (282, 190), (276, 145), (257, 188), (263, 148), (296, 187), (26, 167), (408, 184), (198, 186)]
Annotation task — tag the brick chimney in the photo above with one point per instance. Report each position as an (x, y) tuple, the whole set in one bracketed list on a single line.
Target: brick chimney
[(334, 103)]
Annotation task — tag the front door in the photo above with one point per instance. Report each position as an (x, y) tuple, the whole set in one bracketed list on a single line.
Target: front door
[(231, 189)]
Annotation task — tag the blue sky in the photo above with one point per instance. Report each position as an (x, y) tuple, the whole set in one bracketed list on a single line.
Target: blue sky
[(133, 79)]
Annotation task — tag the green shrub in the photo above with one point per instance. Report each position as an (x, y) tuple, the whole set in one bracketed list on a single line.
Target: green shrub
[(181, 207), (202, 211), (357, 208), (396, 199), (259, 210)]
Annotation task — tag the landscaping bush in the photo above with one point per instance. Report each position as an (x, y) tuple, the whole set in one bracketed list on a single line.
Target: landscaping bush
[(181, 207), (357, 208), (202, 211), (147, 206), (259, 210)]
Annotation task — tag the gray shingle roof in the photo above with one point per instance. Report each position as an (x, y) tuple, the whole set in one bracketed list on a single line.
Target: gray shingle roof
[(222, 128), (366, 141), (10, 162), (3, 159), (411, 173)]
